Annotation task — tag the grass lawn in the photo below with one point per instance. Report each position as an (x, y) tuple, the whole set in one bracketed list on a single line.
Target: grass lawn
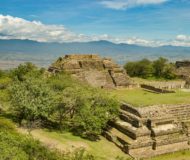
[(66, 141), (103, 149), (182, 155), (139, 97)]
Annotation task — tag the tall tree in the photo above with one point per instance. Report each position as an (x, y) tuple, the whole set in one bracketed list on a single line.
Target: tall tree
[(159, 67)]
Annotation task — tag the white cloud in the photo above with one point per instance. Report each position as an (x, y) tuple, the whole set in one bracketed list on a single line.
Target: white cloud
[(182, 38), (125, 4), (18, 28)]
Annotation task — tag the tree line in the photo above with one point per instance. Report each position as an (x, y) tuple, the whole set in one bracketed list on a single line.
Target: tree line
[(145, 68)]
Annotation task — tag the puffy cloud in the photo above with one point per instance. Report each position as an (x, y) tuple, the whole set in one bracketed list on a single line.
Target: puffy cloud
[(181, 40), (18, 28), (182, 37), (125, 4)]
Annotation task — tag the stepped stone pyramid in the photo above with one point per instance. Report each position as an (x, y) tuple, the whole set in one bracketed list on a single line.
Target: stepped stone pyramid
[(151, 131), (97, 71)]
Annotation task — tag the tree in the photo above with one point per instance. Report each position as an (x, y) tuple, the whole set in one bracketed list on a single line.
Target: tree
[(31, 100), (85, 110), (26, 70), (169, 71), (142, 68), (131, 68), (145, 68), (93, 110), (159, 67)]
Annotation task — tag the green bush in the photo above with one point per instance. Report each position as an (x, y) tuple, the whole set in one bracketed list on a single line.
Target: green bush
[(6, 124)]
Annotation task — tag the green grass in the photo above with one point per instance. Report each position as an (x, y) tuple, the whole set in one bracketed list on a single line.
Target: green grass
[(153, 79), (102, 149), (139, 97), (182, 155)]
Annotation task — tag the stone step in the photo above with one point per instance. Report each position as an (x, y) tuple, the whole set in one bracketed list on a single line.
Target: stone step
[(161, 121), (130, 130), (130, 109), (174, 110), (166, 129), (121, 137), (130, 118), (179, 110), (126, 128), (170, 139), (181, 114), (113, 138), (126, 143)]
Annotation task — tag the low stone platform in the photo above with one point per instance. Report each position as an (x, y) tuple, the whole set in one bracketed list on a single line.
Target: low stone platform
[(150, 131)]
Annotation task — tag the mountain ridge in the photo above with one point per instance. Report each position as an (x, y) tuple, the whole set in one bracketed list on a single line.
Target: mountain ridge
[(46, 52)]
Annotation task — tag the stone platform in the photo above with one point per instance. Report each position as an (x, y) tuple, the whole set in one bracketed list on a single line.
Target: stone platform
[(150, 131)]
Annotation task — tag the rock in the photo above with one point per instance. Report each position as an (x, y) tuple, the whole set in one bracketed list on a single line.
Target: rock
[(93, 69)]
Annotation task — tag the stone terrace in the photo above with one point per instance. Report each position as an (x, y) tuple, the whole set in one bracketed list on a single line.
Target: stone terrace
[(151, 131)]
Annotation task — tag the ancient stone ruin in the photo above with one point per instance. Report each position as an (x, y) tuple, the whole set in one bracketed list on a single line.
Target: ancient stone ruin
[(139, 131), (183, 70), (151, 131), (92, 69)]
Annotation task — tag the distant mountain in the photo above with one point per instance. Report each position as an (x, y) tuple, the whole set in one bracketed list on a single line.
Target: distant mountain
[(44, 53)]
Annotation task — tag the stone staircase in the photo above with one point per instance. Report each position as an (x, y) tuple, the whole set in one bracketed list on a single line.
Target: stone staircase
[(150, 131)]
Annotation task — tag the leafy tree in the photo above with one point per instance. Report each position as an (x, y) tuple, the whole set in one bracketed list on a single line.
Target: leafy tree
[(159, 67), (130, 67), (31, 100), (169, 71), (88, 110), (141, 68), (26, 70)]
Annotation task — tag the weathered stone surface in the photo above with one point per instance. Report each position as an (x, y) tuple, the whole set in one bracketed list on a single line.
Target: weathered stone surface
[(152, 130), (183, 70), (92, 69)]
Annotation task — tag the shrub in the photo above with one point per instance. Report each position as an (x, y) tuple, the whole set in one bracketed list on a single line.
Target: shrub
[(6, 124)]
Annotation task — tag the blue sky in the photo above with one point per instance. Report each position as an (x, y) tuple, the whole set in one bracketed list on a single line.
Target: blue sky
[(157, 21)]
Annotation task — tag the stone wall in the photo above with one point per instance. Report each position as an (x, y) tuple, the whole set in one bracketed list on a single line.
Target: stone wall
[(168, 85), (97, 71), (156, 90), (183, 71), (182, 64)]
